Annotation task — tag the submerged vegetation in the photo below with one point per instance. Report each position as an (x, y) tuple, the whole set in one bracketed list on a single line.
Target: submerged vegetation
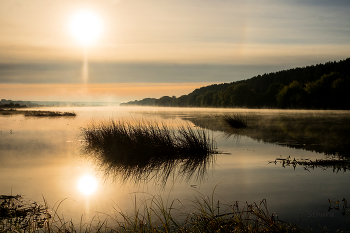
[(337, 164), (152, 215), (36, 113), (140, 150)]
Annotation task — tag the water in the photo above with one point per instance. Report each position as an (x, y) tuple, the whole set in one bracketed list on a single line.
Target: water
[(42, 158)]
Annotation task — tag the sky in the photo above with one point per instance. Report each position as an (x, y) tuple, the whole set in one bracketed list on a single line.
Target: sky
[(160, 47)]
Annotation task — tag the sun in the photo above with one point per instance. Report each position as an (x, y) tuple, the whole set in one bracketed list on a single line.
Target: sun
[(85, 26)]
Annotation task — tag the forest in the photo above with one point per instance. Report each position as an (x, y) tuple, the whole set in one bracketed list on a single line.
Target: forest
[(321, 86)]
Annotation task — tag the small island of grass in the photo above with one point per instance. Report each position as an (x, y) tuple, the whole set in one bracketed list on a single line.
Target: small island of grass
[(36, 113)]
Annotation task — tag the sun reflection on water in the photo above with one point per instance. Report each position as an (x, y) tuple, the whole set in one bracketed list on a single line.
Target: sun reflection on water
[(87, 184)]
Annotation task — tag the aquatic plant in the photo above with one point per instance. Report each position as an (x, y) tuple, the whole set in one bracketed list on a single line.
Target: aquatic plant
[(236, 121), (34, 113), (135, 150), (337, 164)]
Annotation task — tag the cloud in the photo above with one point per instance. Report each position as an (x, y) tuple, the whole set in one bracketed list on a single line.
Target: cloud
[(107, 92), (49, 73), (40, 73)]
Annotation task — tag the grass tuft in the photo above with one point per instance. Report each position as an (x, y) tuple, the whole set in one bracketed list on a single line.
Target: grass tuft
[(236, 121), (139, 150)]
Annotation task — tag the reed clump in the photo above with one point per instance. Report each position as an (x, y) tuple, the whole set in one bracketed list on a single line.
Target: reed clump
[(236, 121), (139, 150), (146, 140)]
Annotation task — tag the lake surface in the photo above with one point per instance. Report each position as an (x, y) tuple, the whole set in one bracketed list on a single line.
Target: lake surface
[(43, 157)]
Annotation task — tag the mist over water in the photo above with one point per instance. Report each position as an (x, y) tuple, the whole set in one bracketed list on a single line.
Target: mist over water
[(43, 157)]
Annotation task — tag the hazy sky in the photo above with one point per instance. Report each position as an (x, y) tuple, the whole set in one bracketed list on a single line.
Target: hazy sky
[(164, 47)]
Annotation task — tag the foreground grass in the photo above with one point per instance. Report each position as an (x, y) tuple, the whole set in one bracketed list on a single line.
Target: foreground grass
[(36, 113), (19, 215), (152, 215), (138, 150)]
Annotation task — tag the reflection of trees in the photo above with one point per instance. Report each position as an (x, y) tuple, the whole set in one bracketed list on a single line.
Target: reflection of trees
[(319, 132)]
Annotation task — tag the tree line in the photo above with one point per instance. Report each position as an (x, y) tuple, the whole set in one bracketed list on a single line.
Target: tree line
[(321, 86)]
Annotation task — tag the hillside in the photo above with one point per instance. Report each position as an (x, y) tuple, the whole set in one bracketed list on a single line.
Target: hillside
[(321, 86)]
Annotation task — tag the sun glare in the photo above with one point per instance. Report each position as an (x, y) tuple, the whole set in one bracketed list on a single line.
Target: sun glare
[(86, 27), (87, 184)]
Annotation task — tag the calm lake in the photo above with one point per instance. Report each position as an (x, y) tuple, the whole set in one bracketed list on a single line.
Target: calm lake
[(44, 157)]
